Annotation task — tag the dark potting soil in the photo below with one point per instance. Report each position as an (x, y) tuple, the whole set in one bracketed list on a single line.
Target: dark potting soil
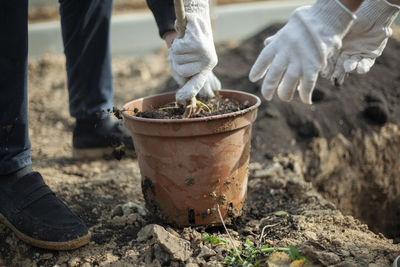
[(206, 107)]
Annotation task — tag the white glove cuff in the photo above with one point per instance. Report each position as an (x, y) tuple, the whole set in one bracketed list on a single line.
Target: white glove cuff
[(196, 6), (381, 11), (334, 14)]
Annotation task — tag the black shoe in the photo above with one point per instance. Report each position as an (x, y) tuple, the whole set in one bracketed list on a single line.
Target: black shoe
[(98, 138), (34, 213)]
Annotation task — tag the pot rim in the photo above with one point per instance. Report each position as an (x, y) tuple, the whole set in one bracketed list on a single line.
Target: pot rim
[(208, 118)]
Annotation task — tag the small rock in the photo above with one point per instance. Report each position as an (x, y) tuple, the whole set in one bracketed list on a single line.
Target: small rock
[(131, 207), (255, 166), (354, 251), (46, 256), (132, 218), (191, 264), (74, 262), (344, 253), (177, 248), (117, 211), (347, 263), (118, 221), (206, 252), (108, 258), (200, 261), (278, 259), (277, 183), (86, 264), (186, 233), (213, 264), (273, 170), (195, 237), (132, 254), (220, 248), (328, 258)]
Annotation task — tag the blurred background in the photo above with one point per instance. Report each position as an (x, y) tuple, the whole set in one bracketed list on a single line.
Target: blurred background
[(233, 21)]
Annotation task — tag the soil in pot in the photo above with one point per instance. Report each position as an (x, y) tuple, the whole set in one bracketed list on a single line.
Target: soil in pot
[(205, 107)]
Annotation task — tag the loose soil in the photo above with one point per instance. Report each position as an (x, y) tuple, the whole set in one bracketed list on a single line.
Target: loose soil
[(206, 107), (333, 167)]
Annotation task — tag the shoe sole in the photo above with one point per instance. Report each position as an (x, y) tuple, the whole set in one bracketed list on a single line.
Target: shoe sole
[(51, 245), (95, 153)]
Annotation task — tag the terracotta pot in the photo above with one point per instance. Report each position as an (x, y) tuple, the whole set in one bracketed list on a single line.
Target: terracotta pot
[(189, 166)]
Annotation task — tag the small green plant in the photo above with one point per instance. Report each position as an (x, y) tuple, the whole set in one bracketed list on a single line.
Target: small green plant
[(295, 255), (212, 240), (250, 256), (281, 213)]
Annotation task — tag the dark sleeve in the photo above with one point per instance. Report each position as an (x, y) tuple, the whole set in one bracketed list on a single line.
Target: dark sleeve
[(164, 13)]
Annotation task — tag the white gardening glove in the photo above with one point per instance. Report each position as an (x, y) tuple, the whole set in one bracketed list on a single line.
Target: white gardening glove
[(212, 84), (365, 40), (193, 57), (299, 51)]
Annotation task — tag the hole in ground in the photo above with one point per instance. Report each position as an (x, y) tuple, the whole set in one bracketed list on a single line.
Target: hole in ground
[(361, 177)]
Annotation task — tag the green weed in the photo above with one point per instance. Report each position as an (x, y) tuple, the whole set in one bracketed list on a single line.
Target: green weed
[(212, 240), (251, 256)]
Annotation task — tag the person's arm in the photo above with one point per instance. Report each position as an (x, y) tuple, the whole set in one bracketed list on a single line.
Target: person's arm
[(352, 5), (164, 14), (395, 2), (169, 37)]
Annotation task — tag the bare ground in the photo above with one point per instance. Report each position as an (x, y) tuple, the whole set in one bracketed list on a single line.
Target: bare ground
[(320, 180)]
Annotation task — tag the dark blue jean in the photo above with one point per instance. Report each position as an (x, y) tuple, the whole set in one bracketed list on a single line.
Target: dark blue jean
[(85, 31)]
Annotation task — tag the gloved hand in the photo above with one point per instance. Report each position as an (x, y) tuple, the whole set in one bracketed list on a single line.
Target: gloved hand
[(212, 84), (364, 42), (193, 57), (299, 51)]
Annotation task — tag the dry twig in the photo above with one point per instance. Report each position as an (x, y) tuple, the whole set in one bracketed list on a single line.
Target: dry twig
[(230, 237)]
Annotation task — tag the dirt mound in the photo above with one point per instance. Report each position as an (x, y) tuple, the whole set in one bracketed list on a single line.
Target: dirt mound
[(364, 101), (361, 177)]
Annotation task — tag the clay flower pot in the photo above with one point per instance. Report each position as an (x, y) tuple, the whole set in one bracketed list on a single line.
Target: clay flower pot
[(189, 166)]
